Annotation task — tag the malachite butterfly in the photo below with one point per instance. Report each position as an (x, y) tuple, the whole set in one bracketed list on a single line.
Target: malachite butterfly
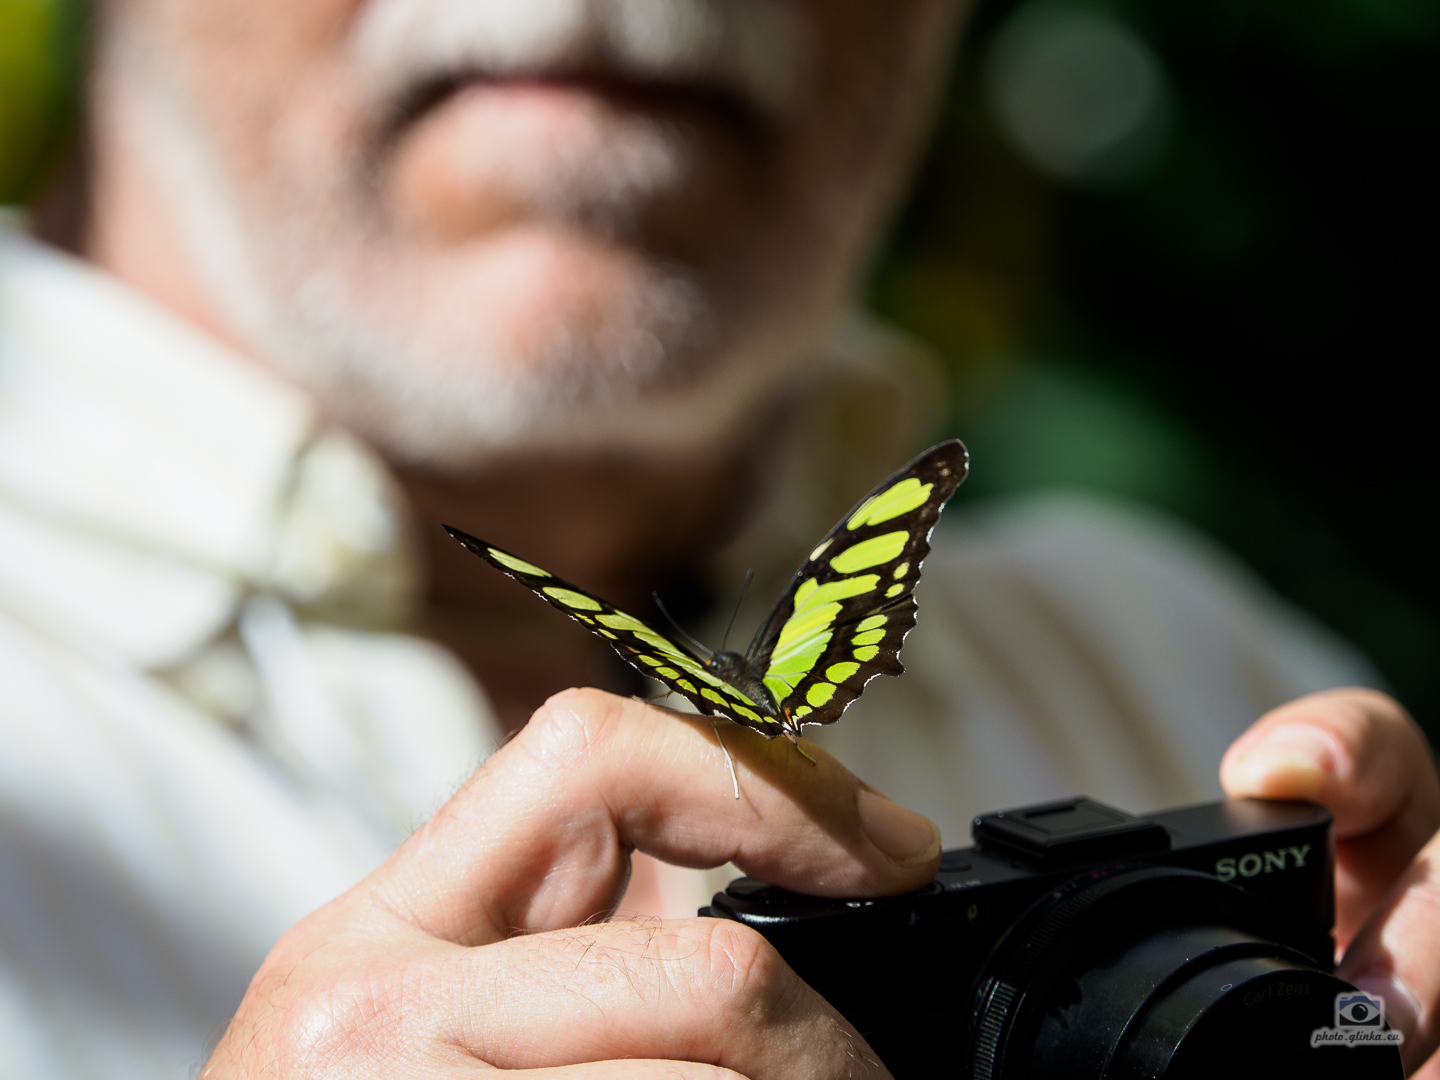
[(839, 624)]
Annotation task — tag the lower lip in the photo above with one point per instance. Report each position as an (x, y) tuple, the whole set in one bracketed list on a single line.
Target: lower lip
[(476, 160), (490, 154)]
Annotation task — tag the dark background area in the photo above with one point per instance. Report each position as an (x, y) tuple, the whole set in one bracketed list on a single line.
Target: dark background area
[(1225, 309), (1175, 252)]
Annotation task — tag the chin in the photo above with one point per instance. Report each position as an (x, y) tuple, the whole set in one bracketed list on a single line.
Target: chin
[(547, 304)]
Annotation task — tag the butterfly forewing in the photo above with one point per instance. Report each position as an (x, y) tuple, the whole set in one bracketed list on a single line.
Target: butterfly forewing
[(653, 654), (848, 609)]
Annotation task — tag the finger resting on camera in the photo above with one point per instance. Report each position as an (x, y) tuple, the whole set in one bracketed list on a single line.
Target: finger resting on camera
[(1360, 754), (699, 990), (1394, 953), (540, 836), (1356, 751)]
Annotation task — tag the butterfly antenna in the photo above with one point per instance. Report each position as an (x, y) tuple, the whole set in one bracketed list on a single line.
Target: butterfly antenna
[(704, 651), (749, 577)]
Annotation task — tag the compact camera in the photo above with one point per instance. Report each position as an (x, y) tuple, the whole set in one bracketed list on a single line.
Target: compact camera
[(1076, 940)]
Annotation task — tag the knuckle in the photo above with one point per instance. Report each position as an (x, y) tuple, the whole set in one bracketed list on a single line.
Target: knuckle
[(1381, 733), (316, 1029), (744, 974), (1363, 716), (573, 724)]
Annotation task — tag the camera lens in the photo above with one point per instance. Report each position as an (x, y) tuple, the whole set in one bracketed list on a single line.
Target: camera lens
[(1156, 972)]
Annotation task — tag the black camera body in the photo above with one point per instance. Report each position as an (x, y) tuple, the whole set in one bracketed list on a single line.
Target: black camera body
[(1078, 940)]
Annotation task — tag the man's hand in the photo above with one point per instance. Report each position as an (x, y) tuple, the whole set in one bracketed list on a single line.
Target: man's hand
[(1358, 753), (478, 944)]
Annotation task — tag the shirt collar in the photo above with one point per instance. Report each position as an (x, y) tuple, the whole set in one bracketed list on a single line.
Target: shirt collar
[(153, 478)]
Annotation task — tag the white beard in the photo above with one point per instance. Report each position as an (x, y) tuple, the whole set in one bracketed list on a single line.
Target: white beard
[(397, 357)]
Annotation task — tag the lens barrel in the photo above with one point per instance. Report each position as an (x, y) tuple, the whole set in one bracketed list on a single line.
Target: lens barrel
[(1156, 972)]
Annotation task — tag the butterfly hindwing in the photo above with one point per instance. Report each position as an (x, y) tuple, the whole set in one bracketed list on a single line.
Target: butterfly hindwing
[(849, 607), (653, 654)]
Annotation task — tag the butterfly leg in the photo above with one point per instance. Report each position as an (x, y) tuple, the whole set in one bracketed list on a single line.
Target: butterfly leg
[(734, 780), (795, 742), (791, 730)]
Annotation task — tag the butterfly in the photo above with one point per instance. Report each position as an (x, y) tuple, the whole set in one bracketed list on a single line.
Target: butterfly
[(840, 623)]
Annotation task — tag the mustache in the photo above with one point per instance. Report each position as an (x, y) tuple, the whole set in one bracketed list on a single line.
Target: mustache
[(756, 50)]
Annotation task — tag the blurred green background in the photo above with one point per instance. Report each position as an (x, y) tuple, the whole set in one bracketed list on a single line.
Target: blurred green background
[(40, 43), (1179, 252), (1174, 252)]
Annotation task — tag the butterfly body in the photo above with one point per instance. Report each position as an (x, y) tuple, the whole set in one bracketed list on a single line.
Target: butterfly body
[(739, 672), (840, 623)]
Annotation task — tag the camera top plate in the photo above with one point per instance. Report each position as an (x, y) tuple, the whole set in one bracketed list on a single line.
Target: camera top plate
[(1068, 832)]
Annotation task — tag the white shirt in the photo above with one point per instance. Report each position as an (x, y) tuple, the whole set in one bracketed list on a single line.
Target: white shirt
[(198, 742), (211, 721)]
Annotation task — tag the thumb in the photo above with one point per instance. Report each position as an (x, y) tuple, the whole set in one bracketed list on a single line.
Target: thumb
[(1396, 955)]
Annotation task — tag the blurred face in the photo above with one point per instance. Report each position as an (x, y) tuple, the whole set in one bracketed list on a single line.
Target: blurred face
[(471, 226)]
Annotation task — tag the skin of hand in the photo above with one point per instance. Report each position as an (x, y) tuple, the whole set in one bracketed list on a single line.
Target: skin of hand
[(1358, 753), (479, 944)]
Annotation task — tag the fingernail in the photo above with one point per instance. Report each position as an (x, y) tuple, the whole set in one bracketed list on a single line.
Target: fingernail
[(1290, 763), (1401, 1011), (907, 837)]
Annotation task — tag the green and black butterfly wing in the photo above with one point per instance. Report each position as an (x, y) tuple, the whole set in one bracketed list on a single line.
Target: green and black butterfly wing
[(841, 622), (651, 653), (847, 611)]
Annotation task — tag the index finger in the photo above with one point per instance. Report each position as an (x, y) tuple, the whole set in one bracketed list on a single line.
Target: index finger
[(540, 837), (1354, 750), (1358, 753)]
